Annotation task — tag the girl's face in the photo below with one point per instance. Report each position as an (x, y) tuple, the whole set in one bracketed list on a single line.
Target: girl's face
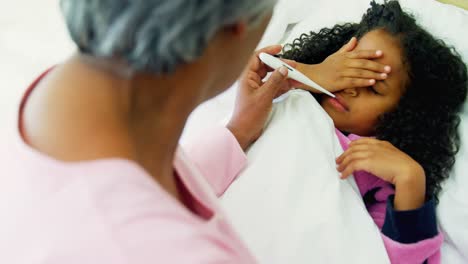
[(356, 110)]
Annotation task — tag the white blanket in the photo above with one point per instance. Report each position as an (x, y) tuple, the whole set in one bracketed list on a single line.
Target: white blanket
[(444, 21), (290, 205)]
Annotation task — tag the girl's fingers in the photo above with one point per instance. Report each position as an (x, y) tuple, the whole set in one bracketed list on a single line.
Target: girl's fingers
[(296, 84), (368, 65), (352, 149), (355, 165), (349, 46), (348, 159), (371, 142), (365, 54), (349, 82), (364, 74)]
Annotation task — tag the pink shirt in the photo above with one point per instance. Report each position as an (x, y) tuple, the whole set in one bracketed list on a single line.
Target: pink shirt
[(112, 211)]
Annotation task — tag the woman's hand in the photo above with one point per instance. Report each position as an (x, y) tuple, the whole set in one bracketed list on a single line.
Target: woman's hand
[(254, 97), (389, 163), (346, 68)]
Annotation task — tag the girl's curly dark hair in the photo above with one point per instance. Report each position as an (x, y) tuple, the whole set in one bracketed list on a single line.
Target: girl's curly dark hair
[(425, 123)]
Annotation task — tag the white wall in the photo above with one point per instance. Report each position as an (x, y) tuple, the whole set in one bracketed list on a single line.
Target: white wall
[(32, 38)]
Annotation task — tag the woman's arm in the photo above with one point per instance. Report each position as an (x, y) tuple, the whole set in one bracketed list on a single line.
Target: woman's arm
[(219, 153), (219, 157)]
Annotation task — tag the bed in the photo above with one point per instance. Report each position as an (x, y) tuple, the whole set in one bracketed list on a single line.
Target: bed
[(258, 205)]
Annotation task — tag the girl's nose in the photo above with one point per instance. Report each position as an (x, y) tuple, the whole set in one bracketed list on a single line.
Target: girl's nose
[(351, 91)]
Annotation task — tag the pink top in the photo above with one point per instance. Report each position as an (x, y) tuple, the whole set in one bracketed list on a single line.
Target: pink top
[(112, 211)]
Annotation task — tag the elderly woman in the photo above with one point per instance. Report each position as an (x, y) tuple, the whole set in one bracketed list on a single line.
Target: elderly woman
[(96, 172), (99, 176)]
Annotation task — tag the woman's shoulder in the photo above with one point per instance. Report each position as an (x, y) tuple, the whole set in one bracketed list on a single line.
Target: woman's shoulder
[(101, 203)]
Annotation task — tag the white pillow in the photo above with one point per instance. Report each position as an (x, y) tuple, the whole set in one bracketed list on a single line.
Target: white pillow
[(450, 24), (289, 204), (443, 21)]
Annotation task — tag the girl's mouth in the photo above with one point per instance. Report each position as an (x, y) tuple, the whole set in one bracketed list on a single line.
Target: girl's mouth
[(338, 103)]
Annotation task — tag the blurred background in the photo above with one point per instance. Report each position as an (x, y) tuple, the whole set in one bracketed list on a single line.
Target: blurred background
[(32, 38)]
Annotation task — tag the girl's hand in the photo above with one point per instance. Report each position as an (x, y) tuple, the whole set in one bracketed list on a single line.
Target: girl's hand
[(346, 68), (389, 163), (255, 97)]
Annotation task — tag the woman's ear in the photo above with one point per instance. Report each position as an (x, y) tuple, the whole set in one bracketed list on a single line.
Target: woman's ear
[(237, 30)]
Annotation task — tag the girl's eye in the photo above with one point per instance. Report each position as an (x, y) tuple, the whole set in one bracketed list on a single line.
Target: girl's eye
[(373, 90)]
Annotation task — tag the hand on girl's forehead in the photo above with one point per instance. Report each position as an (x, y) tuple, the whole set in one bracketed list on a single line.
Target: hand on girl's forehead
[(392, 56), (364, 105)]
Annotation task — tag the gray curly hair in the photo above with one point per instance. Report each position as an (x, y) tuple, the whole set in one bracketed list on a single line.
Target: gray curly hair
[(154, 35)]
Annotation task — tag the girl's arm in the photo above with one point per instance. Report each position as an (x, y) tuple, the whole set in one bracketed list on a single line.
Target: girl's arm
[(408, 223), (412, 236), (346, 68), (409, 236)]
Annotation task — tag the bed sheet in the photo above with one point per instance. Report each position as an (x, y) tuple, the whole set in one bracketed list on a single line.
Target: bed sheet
[(445, 21)]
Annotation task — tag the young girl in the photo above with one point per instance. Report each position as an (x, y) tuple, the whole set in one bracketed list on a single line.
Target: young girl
[(399, 128)]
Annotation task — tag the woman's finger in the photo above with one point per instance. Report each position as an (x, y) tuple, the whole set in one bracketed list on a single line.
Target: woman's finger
[(275, 82), (368, 65), (254, 77), (290, 63), (253, 84), (284, 88), (255, 64), (272, 50), (364, 74)]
